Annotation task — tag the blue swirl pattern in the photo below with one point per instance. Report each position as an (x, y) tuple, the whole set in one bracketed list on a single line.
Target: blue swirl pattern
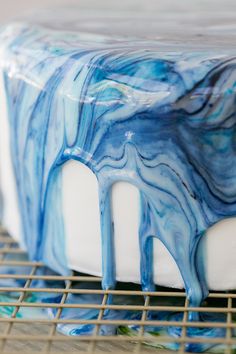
[(162, 121)]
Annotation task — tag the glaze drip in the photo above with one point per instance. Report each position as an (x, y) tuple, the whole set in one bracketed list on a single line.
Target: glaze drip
[(163, 121)]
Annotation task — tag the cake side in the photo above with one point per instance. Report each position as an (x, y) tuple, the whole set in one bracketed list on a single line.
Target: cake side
[(124, 112)]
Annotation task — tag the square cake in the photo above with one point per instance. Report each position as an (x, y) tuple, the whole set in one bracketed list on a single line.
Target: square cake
[(118, 146)]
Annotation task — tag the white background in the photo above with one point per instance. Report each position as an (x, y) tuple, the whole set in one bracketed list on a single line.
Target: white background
[(12, 8)]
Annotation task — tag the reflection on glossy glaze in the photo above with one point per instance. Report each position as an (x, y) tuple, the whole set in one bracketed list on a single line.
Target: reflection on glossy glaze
[(162, 121)]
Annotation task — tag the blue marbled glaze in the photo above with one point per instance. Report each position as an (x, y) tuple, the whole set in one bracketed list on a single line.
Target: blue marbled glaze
[(162, 121)]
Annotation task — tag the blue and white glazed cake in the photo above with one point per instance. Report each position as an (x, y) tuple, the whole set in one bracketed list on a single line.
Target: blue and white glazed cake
[(118, 149)]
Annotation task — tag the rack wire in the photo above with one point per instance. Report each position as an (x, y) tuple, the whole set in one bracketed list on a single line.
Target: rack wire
[(40, 335)]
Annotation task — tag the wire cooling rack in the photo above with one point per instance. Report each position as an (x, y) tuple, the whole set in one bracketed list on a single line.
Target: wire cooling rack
[(27, 335)]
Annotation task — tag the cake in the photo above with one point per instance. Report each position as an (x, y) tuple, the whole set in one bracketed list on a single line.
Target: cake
[(118, 150)]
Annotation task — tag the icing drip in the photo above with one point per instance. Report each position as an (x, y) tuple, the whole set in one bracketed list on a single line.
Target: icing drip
[(163, 121), (92, 314)]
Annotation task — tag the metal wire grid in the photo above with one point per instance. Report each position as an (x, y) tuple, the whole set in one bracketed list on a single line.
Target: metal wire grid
[(41, 336)]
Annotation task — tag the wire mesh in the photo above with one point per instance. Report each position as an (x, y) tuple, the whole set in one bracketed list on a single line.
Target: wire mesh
[(40, 335)]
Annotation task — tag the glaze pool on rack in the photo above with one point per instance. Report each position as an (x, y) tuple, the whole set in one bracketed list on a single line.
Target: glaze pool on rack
[(108, 145)]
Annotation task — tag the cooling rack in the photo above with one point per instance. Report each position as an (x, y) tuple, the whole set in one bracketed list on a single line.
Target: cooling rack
[(39, 335)]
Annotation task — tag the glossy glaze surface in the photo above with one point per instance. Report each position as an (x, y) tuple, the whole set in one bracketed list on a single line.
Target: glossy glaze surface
[(162, 120)]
